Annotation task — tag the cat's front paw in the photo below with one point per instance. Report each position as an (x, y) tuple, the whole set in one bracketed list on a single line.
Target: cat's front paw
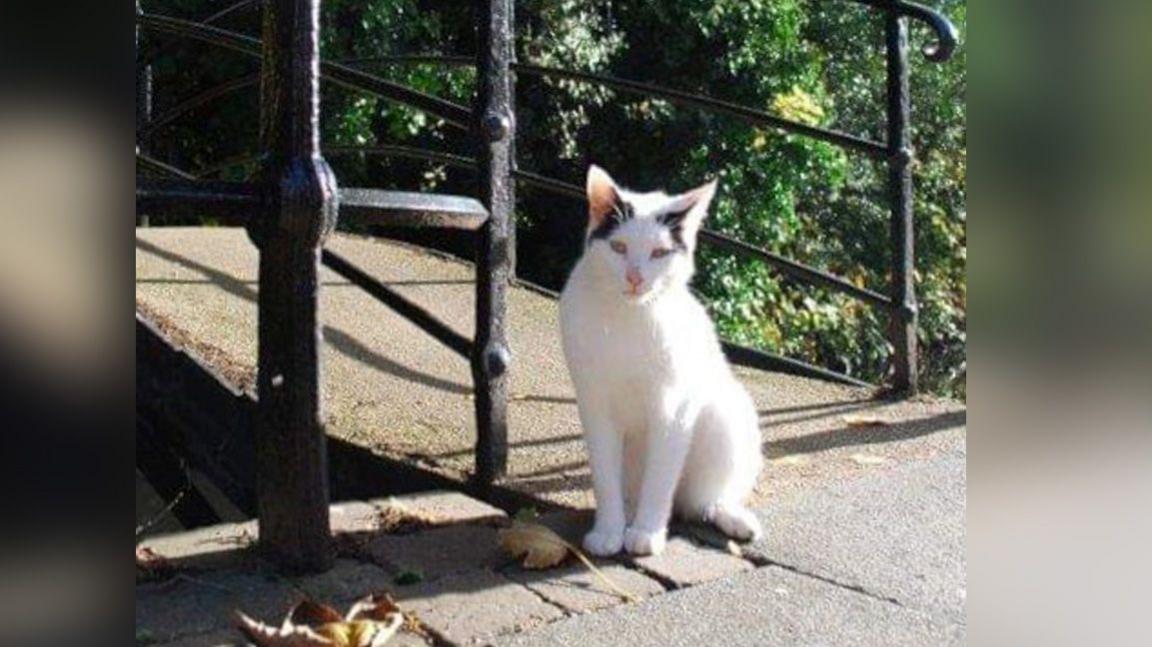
[(645, 542), (603, 543)]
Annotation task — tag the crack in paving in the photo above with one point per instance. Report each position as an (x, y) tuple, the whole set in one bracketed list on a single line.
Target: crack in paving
[(761, 561), (665, 582), (545, 599)]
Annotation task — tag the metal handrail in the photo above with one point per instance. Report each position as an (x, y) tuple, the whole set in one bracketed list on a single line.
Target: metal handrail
[(452, 113), (226, 11), (946, 34), (671, 95), (896, 150), (785, 265), (194, 101)]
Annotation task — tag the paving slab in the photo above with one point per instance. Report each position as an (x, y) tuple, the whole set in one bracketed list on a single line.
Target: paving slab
[(767, 606), (211, 547), (395, 390), (219, 638), (351, 517), (686, 563), (188, 605), (442, 507), (347, 581), (577, 589), (438, 552), (895, 531), (405, 639), (471, 607)]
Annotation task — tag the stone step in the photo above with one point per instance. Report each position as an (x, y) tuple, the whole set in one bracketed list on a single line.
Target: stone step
[(437, 553)]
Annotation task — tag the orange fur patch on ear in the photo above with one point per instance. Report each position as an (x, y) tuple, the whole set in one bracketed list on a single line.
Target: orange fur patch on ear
[(602, 195)]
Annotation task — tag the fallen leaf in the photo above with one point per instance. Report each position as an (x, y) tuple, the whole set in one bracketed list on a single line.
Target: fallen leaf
[(542, 548), (371, 622), (378, 606), (864, 420), (539, 545), (307, 612), (287, 635), (867, 459)]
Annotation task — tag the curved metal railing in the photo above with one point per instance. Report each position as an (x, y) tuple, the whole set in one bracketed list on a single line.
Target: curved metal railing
[(293, 204), (349, 73)]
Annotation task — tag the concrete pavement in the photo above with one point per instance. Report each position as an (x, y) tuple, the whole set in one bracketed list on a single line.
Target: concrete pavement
[(394, 389), (865, 517), (873, 560), (877, 560)]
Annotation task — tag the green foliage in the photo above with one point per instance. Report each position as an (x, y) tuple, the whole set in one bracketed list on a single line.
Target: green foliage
[(819, 62)]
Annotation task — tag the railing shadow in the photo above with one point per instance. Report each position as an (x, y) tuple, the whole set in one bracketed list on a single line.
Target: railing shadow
[(354, 349), (847, 436), (227, 282), (338, 339)]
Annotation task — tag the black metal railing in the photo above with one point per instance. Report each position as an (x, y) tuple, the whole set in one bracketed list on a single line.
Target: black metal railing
[(294, 202), (289, 210)]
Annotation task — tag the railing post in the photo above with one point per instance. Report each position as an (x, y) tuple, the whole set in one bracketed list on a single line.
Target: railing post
[(143, 103), (903, 314), (291, 460), (496, 127)]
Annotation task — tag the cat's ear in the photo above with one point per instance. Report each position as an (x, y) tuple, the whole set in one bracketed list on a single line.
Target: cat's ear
[(602, 195), (688, 210)]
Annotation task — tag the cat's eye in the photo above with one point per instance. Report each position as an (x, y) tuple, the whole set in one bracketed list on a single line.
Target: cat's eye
[(660, 252), (618, 247)]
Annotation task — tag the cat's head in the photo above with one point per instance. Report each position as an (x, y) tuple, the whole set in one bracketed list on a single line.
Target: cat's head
[(642, 244)]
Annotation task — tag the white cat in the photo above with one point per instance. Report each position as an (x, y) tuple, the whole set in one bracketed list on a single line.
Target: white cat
[(667, 425)]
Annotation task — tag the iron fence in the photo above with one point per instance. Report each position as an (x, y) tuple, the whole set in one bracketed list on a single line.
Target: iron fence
[(294, 203)]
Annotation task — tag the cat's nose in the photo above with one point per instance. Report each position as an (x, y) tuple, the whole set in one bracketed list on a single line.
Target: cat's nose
[(633, 277)]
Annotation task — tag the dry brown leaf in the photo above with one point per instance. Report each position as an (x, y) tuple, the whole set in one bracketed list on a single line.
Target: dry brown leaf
[(539, 545), (543, 548), (864, 420), (867, 459), (313, 614), (371, 622), (287, 635), (377, 606)]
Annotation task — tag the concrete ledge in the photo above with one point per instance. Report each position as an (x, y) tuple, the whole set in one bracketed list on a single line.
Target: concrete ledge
[(442, 507)]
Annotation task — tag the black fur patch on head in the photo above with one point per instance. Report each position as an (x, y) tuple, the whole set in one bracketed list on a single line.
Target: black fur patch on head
[(674, 221), (673, 218), (621, 212)]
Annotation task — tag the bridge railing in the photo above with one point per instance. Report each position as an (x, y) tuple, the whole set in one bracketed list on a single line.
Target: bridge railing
[(293, 205), (289, 209)]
